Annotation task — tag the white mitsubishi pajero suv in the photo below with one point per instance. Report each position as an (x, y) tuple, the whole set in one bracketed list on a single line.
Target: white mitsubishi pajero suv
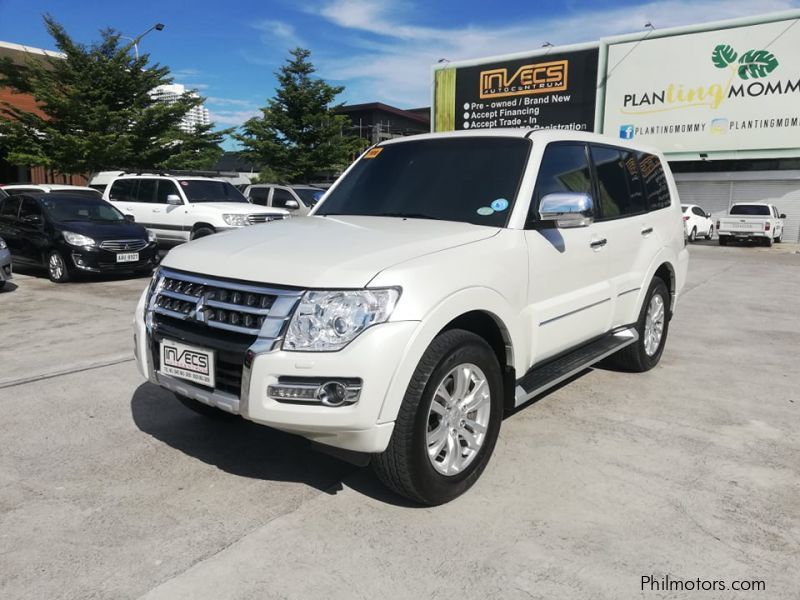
[(180, 208), (443, 280)]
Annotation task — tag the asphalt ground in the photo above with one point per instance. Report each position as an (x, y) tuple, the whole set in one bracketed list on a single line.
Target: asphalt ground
[(109, 488)]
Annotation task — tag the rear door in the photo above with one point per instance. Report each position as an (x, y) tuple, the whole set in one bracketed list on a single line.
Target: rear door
[(33, 240), (9, 210), (569, 294), (632, 241)]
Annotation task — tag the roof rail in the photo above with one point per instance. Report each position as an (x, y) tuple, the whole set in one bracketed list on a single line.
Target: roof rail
[(181, 173)]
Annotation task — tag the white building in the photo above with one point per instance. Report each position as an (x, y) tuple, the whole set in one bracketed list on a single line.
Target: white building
[(171, 93)]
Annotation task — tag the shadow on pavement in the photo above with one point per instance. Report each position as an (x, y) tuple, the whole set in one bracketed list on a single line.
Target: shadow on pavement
[(237, 446)]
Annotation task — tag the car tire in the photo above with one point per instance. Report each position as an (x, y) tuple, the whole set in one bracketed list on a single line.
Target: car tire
[(207, 411), (693, 234), (710, 233), (202, 232), (407, 466), (642, 356), (57, 268), (2, 284), (723, 240), (779, 239), (768, 242)]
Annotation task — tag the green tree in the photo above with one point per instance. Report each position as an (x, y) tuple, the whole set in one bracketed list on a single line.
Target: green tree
[(97, 111), (298, 136)]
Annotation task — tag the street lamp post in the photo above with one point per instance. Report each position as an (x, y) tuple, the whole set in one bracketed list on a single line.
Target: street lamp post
[(135, 41)]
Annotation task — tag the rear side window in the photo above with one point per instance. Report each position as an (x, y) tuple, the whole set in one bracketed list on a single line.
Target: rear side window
[(10, 208), (29, 209), (564, 168), (259, 196), (698, 211), (123, 190), (147, 191), (618, 183), (655, 181)]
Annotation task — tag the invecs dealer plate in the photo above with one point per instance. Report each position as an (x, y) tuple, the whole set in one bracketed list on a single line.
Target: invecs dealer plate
[(187, 362)]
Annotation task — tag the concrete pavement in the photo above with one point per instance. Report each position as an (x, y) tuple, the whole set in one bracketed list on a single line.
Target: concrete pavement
[(110, 489)]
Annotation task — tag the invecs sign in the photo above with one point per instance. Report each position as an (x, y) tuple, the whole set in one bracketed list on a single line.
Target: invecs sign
[(538, 78), (736, 89)]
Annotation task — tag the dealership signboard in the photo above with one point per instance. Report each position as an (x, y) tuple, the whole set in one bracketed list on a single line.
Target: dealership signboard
[(731, 89), (536, 90)]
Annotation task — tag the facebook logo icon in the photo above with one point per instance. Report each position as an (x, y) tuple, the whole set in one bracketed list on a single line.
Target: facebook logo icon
[(626, 132)]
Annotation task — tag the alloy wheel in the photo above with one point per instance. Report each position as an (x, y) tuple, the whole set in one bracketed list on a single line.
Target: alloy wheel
[(654, 325), (56, 265), (458, 419)]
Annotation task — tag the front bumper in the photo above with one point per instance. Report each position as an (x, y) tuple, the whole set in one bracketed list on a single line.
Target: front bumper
[(5, 265), (98, 260), (373, 357)]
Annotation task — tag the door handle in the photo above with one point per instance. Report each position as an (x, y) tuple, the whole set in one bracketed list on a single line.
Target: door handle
[(599, 243), (156, 210), (647, 231)]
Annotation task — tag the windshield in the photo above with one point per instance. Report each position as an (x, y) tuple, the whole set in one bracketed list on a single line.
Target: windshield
[(309, 196), (472, 180), (684, 208), (199, 190), (755, 210), (76, 208)]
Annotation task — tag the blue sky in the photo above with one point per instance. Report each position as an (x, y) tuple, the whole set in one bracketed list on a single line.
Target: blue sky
[(381, 50)]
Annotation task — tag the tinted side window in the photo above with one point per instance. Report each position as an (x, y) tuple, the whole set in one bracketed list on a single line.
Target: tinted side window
[(10, 208), (146, 191), (280, 197), (166, 188), (123, 190), (29, 209), (19, 191), (564, 168), (259, 196), (655, 181), (618, 183), (698, 211)]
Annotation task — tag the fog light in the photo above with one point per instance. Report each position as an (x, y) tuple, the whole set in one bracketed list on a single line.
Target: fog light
[(332, 393)]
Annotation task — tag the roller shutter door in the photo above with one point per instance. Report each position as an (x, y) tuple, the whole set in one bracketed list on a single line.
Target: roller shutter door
[(712, 196), (784, 194)]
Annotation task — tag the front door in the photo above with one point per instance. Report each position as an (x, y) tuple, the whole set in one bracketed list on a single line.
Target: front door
[(569, 293)]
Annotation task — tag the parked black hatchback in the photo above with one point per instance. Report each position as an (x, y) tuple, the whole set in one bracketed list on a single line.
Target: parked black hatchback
[(69, 233)]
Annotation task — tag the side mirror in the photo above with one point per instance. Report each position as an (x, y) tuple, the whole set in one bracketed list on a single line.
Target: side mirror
[(174, 200), (291, 205), (567, 209), (783, 216), (130, 218), (708, 215), (31, 220)]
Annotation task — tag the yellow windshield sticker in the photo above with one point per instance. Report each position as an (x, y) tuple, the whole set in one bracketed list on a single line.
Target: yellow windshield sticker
[(373, 153)]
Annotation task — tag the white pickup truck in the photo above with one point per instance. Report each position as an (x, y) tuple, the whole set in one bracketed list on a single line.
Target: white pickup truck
[(757, 222), (443, 280)]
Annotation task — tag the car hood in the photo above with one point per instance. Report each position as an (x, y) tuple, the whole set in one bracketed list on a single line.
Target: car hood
[(104, 231), (321, 252), (238, 208)]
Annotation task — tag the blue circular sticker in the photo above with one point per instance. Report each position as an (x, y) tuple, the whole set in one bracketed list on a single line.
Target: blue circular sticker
[(499, 205), (485, 211)]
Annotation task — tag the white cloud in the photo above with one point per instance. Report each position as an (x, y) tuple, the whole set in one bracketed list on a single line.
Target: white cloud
[(393, 64), (216, 100), (233, 118)]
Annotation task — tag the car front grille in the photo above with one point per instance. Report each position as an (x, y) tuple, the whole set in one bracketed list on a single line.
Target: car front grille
[(123, 245), (228, 316), (263, 218)]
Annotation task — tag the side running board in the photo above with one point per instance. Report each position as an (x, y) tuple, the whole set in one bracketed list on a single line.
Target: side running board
[(551, 373)]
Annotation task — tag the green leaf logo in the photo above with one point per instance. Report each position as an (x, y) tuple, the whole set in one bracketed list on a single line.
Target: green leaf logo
[(723, 55), (757, 63)]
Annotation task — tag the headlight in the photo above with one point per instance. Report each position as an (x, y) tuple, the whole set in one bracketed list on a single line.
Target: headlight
[(326, 321), (76, 239), (3, 244), (151, 236), (235, 220)]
